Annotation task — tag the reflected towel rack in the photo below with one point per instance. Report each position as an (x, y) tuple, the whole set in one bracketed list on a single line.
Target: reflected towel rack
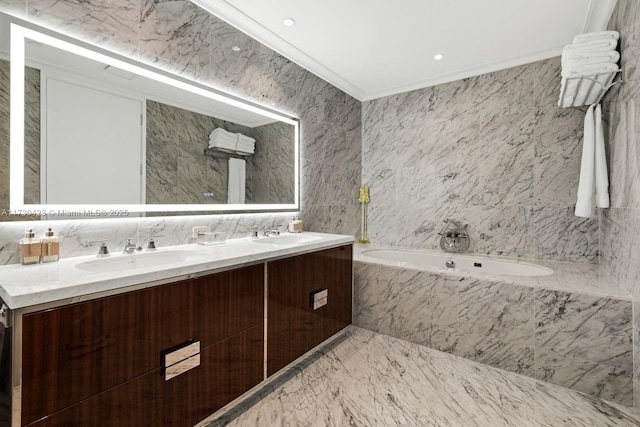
[(595, 86)]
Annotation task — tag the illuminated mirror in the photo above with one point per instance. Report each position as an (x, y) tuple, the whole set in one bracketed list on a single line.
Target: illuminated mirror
[(93, 132)]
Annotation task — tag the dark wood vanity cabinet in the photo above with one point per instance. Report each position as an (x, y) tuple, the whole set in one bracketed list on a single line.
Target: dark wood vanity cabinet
[(108, 353), (293, 325), (102, 362)]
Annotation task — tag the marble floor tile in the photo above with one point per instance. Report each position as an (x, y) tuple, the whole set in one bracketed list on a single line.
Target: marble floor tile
[(369, 379)]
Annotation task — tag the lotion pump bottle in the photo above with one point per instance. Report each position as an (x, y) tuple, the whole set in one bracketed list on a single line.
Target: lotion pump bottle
[(50, 247), (29, 248), (295, 226)]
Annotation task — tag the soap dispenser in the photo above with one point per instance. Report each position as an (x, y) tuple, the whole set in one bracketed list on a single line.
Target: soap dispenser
[(50, 247), (295, 226), (29, 248)]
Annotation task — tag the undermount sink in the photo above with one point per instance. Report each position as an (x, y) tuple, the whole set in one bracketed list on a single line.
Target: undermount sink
[(288, 239), (140, 261)]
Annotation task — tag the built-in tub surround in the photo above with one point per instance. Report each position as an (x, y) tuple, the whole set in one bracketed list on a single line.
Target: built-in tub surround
[(492, 151), (23, 286), (572, 328)]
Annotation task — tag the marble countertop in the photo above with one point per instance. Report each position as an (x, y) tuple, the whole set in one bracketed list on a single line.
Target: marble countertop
[(583, 278), (27, 285)]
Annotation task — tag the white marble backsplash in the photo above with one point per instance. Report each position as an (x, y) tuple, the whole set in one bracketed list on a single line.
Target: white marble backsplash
[(171, 231)]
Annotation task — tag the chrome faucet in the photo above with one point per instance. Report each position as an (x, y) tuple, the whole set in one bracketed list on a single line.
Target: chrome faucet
[(129, 248), (271, 230)]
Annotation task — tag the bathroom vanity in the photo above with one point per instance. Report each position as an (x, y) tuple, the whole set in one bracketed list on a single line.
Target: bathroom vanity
[(166, 345)]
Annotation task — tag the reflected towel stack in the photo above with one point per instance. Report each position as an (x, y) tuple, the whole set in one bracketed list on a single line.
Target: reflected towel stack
[(223, 140), (231, 142), (591, 55), (246, 144)]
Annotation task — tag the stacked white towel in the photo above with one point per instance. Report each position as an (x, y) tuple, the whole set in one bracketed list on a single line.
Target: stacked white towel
[(246, 144), (222, 139), (231, 142), (591, 55)]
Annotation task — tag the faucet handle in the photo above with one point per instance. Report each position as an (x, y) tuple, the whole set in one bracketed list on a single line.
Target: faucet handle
[(103, 252), (151, 246)]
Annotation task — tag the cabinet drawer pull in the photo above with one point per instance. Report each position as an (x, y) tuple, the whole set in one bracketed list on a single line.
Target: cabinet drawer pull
[(181, 360), (319, 298)]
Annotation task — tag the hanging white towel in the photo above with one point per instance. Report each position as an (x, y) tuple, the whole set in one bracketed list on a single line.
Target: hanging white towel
[(602, 179), (593, 188), (585, 205), (236, 183)]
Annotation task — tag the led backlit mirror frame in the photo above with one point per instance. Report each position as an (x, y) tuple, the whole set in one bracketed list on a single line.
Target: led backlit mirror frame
[(20, 33)]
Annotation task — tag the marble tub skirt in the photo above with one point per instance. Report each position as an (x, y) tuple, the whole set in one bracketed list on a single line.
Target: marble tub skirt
[(572, 328)]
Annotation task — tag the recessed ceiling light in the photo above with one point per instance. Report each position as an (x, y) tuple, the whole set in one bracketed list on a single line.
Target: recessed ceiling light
[(236, 48), (438, 56), (289, 22)]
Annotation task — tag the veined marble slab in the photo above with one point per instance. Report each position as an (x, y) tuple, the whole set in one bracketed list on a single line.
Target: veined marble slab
[(369, 379), (27, 285)]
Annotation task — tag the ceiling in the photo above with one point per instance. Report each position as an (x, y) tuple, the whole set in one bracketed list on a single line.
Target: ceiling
[(375, 48)]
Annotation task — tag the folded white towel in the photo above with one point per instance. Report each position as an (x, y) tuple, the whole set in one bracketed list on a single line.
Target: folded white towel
[(222, 137), (576, 62), (585, 204), (221, 144), (602, 178), (592, 46), (245, 138), (590, 70), (220, 131), (597, 35), (604, 54)]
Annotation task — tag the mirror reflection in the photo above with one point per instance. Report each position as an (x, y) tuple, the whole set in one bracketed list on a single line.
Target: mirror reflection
[(96, 133)]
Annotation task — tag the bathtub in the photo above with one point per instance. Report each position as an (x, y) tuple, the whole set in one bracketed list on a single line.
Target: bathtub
[(454, 262)]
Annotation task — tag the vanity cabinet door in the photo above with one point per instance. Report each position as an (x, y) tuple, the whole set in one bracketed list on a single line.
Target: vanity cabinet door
[(293, 325), (227, 369), (78, 351)]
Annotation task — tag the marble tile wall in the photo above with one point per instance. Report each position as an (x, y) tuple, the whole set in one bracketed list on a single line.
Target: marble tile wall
[(574, 340), (184, 39), (493, 151), (620, 225)]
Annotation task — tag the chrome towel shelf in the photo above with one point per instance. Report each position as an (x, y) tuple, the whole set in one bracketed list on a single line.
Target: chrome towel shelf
[(586, 90)]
